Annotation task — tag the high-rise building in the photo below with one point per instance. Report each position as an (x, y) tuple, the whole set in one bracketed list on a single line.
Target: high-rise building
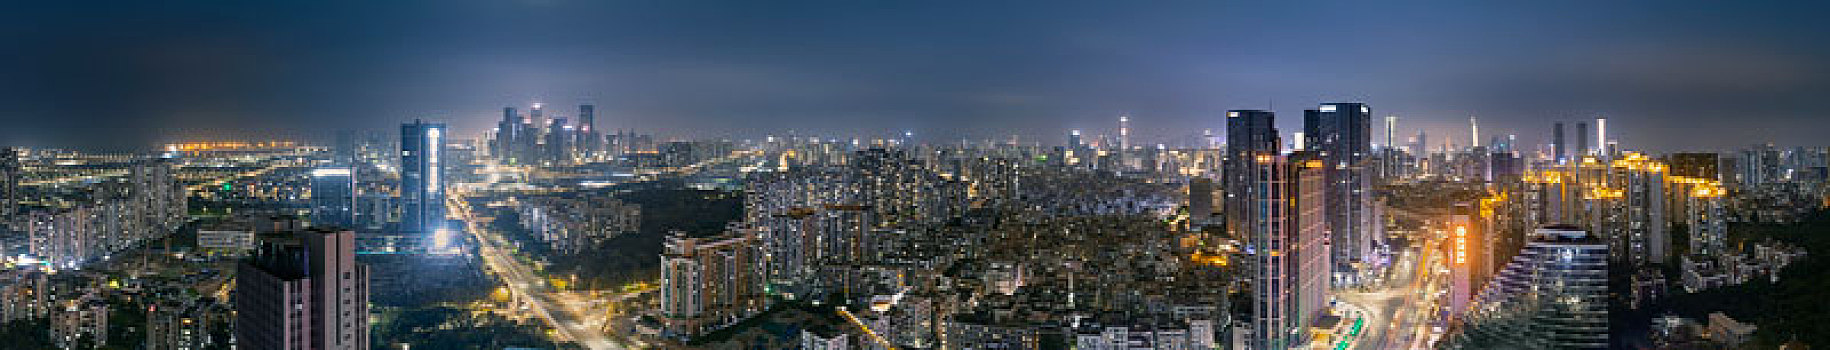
[(508, 136), (709, 283), (9, 186), (1582, 142), (1287, 226), (1124, 132), (308, 294), (1249, 134), (1341, 135), (333, 197), (1307, 188), (1552, 295), (1274, 315), (1558, 153), (422, 185), (1601, 137), (589, 142), (558, 141)]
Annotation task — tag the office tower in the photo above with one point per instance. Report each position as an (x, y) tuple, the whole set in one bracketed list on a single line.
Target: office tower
[(1285, 217), (1558, 154), (558, 141), (508, 136), (1074, 139), (1307, 188), (586, 132), (1124, 132), (309, 294), (1340, 134), (333, 197), (1601, 136), (1553, 295), (1582, 142), (9, 186), (529, 136), (1474, 131), (1249, 133), (422, 190), (1274, 318), (1391, 131)]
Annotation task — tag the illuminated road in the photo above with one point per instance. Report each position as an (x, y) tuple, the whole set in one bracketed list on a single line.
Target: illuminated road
[(528, 286), (576, 317), (1398, 312)]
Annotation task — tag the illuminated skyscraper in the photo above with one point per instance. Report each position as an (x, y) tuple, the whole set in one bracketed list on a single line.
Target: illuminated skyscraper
[(333, 197), (1341, 135), (422, 185), (1124, 132)]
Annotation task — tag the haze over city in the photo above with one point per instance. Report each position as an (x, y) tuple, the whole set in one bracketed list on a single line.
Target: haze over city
[(843, 175), (1672, 75)]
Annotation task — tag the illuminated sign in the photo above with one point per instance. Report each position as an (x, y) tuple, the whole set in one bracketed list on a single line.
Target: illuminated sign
[(1461, 245), (322, 172)]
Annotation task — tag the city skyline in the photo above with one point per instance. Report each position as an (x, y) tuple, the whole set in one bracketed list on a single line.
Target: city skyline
[(127, 77), (564, 174)]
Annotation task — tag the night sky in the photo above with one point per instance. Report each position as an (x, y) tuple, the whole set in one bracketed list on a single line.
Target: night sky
[(1670, 75)]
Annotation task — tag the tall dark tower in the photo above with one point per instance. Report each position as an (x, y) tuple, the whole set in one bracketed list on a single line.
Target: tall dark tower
[(1342, 135), (422, 182), (589, 142), (1582, 141), (1249, 134), (1556, 140), (508, 135)]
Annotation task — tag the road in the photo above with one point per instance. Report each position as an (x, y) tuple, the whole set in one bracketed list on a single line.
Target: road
[(528, 286), (1398, 312), (574, 317)]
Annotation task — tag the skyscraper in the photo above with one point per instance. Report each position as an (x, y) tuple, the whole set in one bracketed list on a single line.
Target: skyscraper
[(422, 175), (9, 186), (1274, 315), (1582, 142), (1601, 137), (588, 141), (1558, 153), (558, 141), (508, 136), (1124, 132), (1341, 135), (308, 294), (333, 197), (1249, 133)]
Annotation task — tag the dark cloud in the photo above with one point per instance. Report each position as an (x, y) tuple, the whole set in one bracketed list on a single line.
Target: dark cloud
[(1671, 75)]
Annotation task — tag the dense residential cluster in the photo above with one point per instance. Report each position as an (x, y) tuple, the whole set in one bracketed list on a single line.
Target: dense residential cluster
[(575, 221)]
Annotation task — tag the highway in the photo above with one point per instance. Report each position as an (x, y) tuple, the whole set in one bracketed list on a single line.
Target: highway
[(1398, 312), (528, 286), (576, 317)]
